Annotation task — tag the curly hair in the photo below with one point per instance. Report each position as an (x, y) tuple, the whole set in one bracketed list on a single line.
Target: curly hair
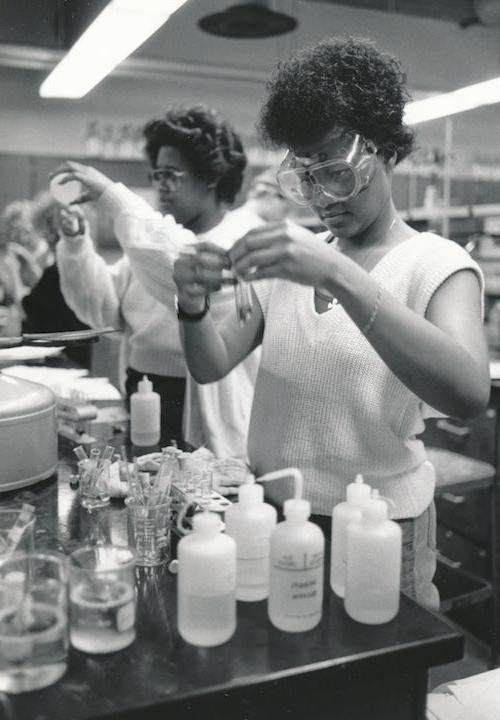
[(208, 143), (339, 82)]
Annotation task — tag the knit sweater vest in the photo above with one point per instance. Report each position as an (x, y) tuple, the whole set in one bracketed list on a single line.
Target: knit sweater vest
[(326, 403)]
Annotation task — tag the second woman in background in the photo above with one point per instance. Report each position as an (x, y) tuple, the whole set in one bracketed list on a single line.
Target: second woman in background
[(197, 165)]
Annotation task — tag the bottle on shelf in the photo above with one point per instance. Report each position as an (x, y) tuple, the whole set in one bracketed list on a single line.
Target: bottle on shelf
[(250, 522), (92, 146), (108, 142), (145, 416), (374, 548), (206, 583), (358, 493), (295, 602), (125, 143)]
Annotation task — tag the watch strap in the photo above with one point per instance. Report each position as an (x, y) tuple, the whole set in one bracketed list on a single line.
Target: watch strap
[(185, 316)]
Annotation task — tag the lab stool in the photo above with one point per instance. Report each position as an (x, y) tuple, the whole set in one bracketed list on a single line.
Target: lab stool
[(457, 475)]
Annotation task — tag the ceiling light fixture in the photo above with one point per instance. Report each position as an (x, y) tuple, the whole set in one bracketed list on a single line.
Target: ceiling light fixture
[(118, 30), (450, 103), (248, 21)]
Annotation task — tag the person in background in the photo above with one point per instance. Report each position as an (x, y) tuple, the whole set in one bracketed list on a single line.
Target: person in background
[(45, 309), (32, 249), (19, 271), (197, 166), (367, 328), (265, 199)]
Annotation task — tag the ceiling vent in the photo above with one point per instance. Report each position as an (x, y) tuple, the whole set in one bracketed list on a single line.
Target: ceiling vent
[(248, 20)]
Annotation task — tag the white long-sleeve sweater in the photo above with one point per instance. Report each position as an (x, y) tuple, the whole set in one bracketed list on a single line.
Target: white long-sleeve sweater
[(326, 402), (217, 414)]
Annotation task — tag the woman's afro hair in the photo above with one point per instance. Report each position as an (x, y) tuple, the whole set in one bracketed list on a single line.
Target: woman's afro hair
[(339, 82), (207, 142)]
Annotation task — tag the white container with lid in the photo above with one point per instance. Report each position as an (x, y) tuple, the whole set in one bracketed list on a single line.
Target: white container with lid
[(145, 414), (206, 583), (374, 549), (28, 432), (295, 601), (250, 522), (358, 493)]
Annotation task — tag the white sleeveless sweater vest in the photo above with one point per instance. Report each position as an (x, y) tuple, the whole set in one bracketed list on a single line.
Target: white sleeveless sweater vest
[(325, 402)]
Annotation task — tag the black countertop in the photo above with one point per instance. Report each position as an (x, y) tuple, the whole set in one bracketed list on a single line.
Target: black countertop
[(362, 671)]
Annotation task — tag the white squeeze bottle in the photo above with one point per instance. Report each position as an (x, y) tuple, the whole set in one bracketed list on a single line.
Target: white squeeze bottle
[(295, 600), (358, 493), (206, 583), (145, 414), (250, 522), (374, 548)]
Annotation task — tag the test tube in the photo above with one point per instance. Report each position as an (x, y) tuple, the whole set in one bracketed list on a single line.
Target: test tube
[(242, 299)]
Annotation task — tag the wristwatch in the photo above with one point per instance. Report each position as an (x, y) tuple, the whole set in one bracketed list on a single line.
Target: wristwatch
[(191, 317)]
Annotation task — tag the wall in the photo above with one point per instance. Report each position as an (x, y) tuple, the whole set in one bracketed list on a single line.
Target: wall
[(438, 55)]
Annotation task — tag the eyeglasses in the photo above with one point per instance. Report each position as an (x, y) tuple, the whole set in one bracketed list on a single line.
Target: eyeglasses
[(340, 178), (169, 177)]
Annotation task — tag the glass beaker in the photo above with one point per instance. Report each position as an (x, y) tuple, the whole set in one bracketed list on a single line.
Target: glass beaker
[(93, 483), (33, 621), (102, 598), (150, 526)]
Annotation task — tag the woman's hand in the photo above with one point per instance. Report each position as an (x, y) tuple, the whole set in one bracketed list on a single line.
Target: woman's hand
[(71, 222), (283, 250), (93, 181), (198, 272)]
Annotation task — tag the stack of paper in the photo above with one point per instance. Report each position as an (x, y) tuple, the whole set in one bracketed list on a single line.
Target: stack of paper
[(62, 381)]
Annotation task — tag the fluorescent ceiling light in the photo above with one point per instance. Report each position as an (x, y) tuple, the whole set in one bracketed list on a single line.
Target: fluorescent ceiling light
[(466, 98), (120, 28)]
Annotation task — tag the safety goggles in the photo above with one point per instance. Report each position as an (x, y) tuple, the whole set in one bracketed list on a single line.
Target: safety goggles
[(168, 177), (339, 178)]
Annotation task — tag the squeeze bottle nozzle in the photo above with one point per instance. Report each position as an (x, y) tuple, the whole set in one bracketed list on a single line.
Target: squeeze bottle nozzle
[(145, 385), (358, 492), (286, 472)]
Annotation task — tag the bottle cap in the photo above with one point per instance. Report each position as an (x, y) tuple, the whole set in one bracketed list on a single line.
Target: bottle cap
[(358, 492), (376, 509), (296, 509), (206, 523), (145, 385), (250, 494)]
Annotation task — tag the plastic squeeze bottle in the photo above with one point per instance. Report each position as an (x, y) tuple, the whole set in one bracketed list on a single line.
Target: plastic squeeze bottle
[(206, 583), (374, 547), (358, 493), (250, 522), (145, 414), (295, 600)]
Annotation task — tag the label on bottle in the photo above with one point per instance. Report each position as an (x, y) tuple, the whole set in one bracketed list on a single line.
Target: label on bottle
[(297, 584)]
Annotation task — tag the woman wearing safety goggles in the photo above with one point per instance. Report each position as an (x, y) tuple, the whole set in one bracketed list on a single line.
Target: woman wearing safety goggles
[(366, 329)]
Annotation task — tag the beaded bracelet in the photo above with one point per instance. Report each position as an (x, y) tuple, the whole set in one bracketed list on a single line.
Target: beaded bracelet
[(374, 312)]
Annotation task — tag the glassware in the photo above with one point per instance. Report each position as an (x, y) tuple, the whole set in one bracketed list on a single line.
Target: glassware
[(17, 530), (102, 598), (94, 481), (149, 527), (242, 299), (33, 621)]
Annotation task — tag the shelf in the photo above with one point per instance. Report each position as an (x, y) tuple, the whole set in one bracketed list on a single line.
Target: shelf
[(456, 211)]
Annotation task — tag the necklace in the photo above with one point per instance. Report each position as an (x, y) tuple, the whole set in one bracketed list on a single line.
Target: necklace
[(332, 301)]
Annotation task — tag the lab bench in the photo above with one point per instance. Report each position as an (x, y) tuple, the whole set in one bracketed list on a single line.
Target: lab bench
[(340, 669)]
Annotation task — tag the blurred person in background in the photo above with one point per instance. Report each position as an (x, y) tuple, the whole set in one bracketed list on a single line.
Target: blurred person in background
[(45, 309), (19, 270), (197, 167)]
